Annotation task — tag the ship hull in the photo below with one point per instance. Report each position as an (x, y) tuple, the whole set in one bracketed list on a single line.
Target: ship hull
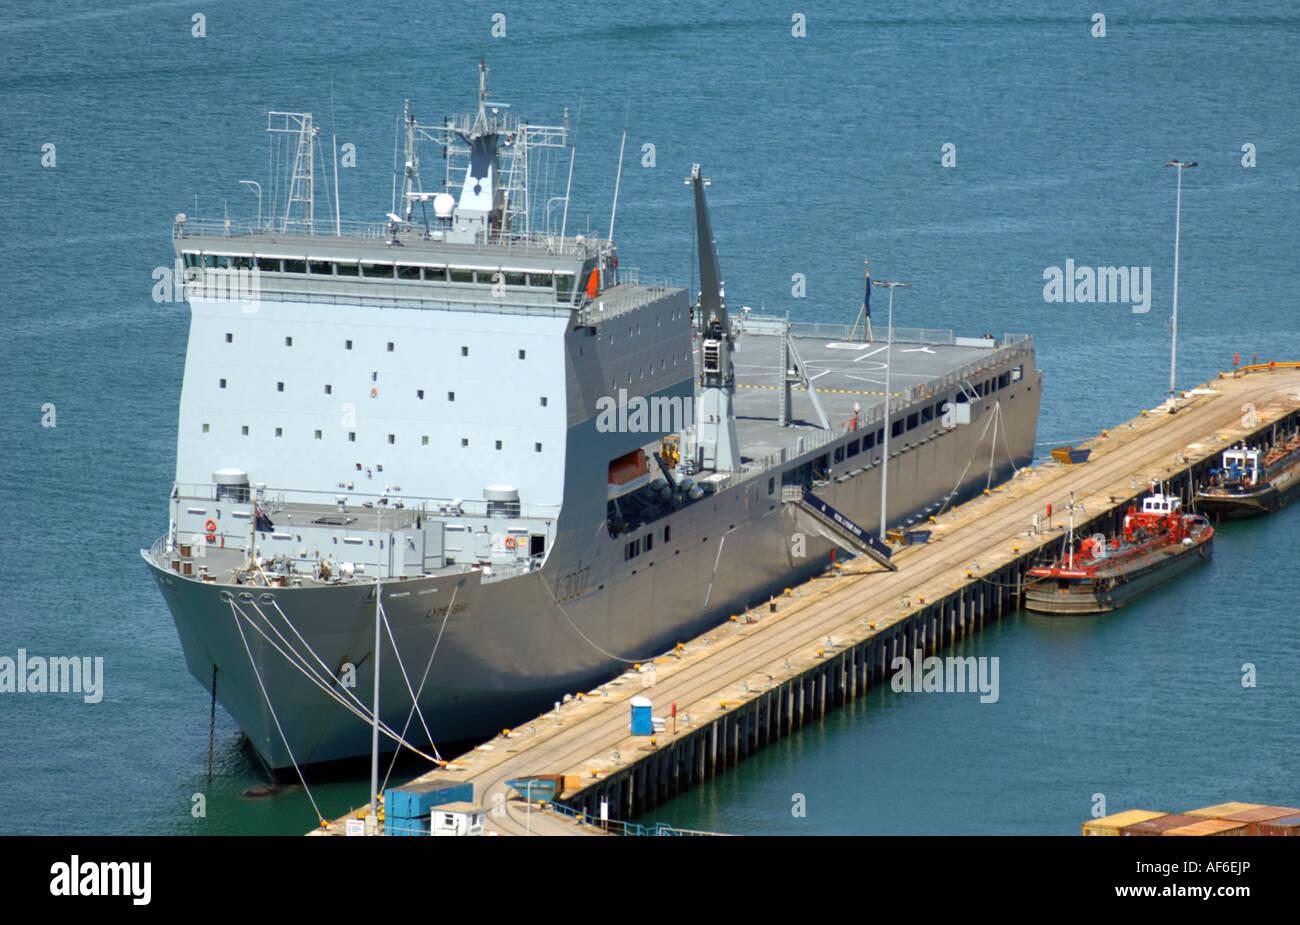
[(1060, 597), (1239, 506), (498, 653)]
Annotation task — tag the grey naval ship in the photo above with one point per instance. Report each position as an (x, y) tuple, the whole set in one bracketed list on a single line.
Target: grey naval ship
[(536, 464)]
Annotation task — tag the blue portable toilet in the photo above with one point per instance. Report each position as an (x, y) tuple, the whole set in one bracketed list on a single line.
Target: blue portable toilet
[(642, 724)]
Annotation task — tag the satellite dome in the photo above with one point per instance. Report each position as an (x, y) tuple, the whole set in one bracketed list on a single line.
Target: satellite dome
[(443, 205)]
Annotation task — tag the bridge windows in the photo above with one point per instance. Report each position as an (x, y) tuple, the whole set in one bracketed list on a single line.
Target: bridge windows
[(321, 267), (349, 268), (377, 270), (408, 272), (295, 266)]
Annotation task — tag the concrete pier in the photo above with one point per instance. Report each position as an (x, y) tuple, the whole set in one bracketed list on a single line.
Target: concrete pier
[(767, 673)]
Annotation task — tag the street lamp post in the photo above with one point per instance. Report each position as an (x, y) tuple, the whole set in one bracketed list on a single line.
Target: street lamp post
[(1173, 354), (889, 350)]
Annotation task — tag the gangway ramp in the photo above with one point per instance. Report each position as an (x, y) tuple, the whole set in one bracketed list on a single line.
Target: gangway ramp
[(815, 515)]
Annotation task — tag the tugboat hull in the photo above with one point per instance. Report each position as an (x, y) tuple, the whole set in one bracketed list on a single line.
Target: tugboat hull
[(1235, 506)]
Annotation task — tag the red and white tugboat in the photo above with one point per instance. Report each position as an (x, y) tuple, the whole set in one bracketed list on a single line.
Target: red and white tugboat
[(1160, 542)]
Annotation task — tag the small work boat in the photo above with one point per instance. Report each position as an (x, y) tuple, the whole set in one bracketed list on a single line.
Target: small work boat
[(1160, 541), (1252, 482)]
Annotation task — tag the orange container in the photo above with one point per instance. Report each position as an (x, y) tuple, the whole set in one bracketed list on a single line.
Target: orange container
[(1253, 817), (1211, 827), (1160, 825), (1115, 823), (1223, 809)]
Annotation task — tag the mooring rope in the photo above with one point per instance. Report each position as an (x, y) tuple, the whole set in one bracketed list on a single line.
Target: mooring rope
[(361, 713), (236, 612), (585, 637), (429, 664)]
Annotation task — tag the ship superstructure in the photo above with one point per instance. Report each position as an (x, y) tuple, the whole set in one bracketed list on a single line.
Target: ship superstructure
[(528, 454)]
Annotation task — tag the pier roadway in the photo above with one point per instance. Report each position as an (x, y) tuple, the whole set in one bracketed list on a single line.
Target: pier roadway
[(763, 674)]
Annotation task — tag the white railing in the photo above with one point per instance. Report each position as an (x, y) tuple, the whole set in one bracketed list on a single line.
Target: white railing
[(273, 500), (536, 243)]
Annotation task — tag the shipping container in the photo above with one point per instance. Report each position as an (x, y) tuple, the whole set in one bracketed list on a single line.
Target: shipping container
[(404, 826), (1115, 823), (1160, 825), (1253, 817), (415, 800), (1288, 826), (1223, 809), (1210, 827)]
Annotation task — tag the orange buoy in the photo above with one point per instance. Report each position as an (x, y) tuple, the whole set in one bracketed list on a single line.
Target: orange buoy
[(211, 527)]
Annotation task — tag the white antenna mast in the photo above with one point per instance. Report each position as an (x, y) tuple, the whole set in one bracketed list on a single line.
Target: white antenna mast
[(334, 136), (619, 178), (568, 186)]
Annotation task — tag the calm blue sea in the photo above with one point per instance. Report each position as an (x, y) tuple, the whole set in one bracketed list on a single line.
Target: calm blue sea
[(823, 149)]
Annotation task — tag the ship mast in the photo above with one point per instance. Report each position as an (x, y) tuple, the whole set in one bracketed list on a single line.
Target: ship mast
[(719, 449)]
